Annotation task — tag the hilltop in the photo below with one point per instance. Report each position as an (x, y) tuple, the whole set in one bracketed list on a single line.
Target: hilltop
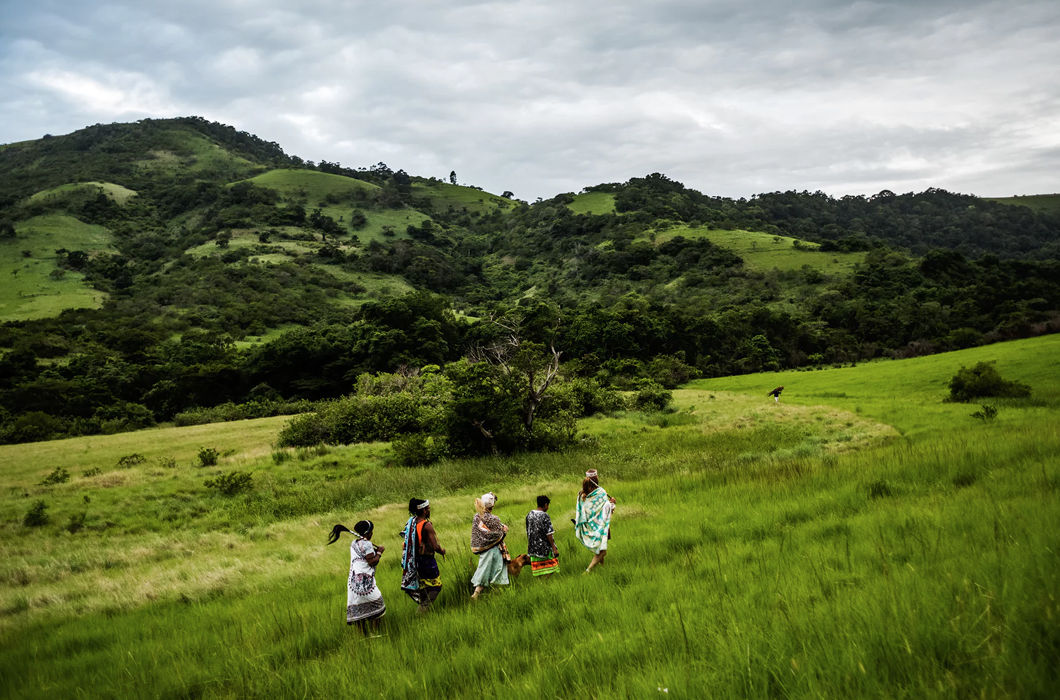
[(170, 266)]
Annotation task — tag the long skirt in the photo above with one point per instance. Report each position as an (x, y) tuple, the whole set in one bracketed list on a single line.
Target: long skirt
[(429, 581), (542, 566), (364, 601), (491, 569)]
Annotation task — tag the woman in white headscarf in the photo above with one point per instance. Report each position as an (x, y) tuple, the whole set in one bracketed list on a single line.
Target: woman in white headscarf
[(487, 541)]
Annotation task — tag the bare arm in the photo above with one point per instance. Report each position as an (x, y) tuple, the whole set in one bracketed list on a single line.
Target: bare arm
[(432, 538)]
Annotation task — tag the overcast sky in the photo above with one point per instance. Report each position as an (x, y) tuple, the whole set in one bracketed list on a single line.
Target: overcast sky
[(731, 97)]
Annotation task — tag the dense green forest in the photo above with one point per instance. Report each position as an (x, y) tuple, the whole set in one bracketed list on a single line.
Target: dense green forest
[(234, 280)]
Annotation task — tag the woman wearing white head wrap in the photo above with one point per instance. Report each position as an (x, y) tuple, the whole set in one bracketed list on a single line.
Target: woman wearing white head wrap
[(487, 541)]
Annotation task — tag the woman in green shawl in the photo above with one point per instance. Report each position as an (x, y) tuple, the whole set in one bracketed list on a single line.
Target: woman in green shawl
[(592, 521)]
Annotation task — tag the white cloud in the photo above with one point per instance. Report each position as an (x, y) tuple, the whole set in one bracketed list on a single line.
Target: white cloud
[(546, 96)]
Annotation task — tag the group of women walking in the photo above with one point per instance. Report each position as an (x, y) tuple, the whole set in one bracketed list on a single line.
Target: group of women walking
[(421, 578)]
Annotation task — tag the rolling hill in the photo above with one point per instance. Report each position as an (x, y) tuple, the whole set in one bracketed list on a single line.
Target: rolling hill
[(177, 264)]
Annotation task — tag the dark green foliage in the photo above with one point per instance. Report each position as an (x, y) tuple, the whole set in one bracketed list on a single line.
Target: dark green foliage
[(37, 515), (76, 522), (651, 397), (983, 380), (985, 413), (59, 475), (92, 471), (208, 456), (231, 483), (131, 460), (418, 449), (383, 407)]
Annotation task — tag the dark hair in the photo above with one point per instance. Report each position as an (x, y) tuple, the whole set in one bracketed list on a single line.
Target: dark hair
[(364, 528), (543, 501), (336, 531), (589, 485), (414, 505)]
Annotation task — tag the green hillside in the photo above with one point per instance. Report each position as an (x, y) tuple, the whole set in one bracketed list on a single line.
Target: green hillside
[(444, 196), (34, 286), (74, 190), (179, 265), (859, 538), (763, 251), (1046, 203), (593, 203)]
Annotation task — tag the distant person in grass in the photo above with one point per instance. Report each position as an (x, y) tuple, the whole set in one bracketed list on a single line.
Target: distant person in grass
[(487, 541), (776, 394), (420, 577), (540, 543), (592, 521), (364, 601)]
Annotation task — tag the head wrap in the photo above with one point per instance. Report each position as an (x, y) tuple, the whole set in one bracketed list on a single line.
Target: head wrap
[(488, 499), (591, 474), (423, 505)]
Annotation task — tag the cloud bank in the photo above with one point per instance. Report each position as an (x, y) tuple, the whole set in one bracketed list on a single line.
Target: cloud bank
[(730, 97)]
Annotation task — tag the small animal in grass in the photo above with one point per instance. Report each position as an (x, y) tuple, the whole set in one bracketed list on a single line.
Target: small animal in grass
[(516, 565)]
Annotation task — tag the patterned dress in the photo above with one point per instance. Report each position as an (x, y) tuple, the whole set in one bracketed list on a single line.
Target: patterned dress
[(538, 528), (420, 577), (592, 521), (487, 541), (364, 601)]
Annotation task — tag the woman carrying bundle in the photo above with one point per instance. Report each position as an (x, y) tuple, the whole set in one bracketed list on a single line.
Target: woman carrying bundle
[(487, 541), (592, 522), (364, 601)]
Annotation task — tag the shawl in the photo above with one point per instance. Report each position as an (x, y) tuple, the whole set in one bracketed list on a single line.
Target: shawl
[(593, 519), (410, 577), (487, 532)]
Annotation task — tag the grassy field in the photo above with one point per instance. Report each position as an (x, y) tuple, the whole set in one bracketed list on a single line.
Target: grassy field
[(33, 285), (116, 192), (444, 195), (197, 153), (1048, 203), (763, 251), (593, 203), (860, 538)]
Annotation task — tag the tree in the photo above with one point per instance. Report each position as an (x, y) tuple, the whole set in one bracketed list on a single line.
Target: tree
[(452, 177)]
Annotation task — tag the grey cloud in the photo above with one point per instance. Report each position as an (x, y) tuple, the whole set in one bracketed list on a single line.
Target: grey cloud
[(541, 97)]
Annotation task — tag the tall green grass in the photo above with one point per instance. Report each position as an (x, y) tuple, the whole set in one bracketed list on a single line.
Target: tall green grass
[(754, 553)]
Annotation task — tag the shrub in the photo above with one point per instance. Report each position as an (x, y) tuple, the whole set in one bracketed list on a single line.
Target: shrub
[(59, 475), (130, 461), (985, 413), (92, 471), (420, 449), (231, 483), (167, 462), (984, 380), (651, 397), (76, 522), (37, 515), (208, 456)]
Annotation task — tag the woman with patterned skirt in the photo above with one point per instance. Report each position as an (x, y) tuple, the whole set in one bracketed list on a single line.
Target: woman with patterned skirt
[(364, 601), (592, 522), (487, 541), (420, 577), (540, 543)]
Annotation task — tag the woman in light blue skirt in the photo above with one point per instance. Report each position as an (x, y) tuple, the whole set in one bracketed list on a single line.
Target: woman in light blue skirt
[(487, 541)]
